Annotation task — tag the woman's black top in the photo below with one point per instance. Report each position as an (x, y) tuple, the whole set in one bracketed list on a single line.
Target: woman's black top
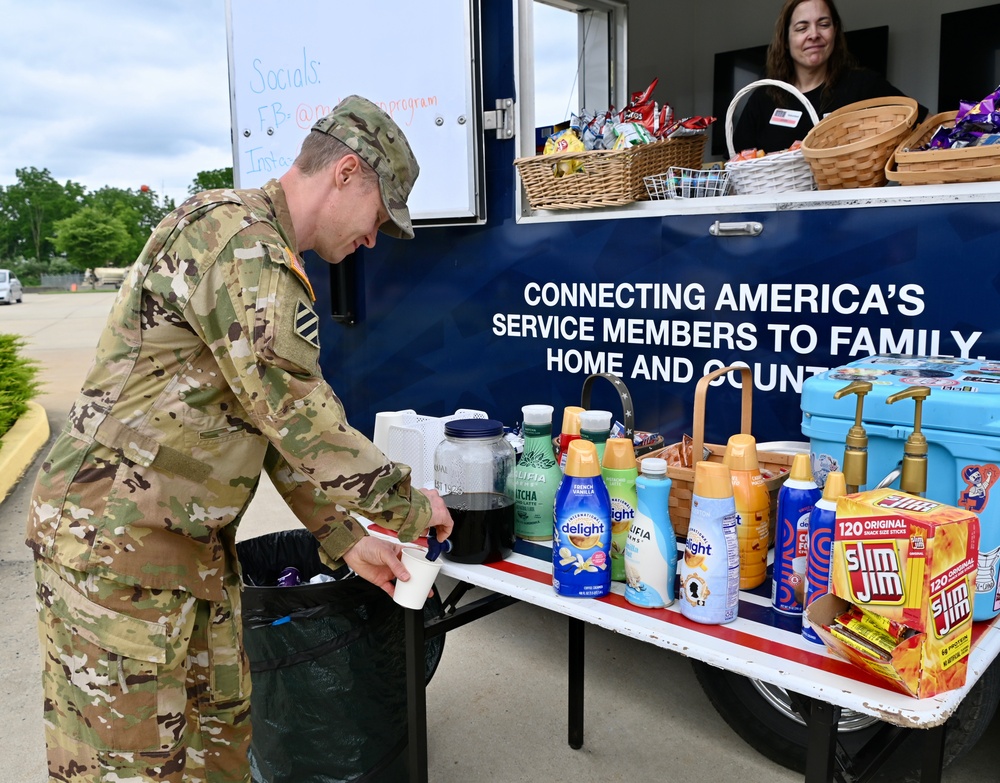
[(759, 126)]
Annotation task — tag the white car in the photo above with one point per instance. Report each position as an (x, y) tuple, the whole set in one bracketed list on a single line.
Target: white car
[(10, 287)]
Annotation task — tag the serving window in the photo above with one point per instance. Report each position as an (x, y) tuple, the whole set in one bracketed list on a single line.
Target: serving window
[(593, 54)]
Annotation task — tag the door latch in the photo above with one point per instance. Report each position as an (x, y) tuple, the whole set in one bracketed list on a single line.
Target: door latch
[(720, 229)]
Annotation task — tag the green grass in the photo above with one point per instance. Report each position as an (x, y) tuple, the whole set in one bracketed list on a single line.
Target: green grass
[(18, 381)]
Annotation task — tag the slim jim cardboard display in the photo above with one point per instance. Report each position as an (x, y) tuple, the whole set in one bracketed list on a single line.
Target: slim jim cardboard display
[(912, 561)]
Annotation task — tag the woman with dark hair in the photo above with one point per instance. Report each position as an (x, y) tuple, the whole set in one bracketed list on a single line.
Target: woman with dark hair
[(809, 51)]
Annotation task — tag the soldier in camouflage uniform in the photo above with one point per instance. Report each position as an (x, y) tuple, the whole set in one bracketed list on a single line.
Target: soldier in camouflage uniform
[(207, 373)]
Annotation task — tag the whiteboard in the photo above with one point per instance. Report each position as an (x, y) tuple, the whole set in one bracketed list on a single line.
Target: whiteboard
[(291, 63)]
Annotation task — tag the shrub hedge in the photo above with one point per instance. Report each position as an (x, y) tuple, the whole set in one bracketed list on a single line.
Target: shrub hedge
[(18, 380)]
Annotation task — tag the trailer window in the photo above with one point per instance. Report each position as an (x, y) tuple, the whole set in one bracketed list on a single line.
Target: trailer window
[(573, 57)]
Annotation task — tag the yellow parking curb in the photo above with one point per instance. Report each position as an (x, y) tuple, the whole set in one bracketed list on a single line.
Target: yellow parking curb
[(20, 445)]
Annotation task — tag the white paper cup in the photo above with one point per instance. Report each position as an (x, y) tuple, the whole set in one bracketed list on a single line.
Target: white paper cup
[(413, 593)]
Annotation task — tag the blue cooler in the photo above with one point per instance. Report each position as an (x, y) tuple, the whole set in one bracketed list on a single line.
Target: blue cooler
[(960, 419)]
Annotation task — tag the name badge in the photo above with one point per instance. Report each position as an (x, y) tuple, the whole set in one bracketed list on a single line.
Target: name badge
[(786, 118)]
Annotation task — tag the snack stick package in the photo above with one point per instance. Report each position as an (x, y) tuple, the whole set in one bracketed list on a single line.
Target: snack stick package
[(911, 562)]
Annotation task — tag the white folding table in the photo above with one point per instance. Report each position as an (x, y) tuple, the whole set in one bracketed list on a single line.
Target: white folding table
[(760, 643)]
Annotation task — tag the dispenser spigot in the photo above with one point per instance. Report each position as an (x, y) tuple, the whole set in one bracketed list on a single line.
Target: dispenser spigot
[(914, 475), (856, 443)]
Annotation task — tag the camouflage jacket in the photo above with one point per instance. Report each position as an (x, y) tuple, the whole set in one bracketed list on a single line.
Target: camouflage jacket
[(207, 372)]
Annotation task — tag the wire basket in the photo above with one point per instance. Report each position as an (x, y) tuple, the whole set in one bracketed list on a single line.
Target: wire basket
[(779, 171), (687, 183), (603, 178), (910, 165), (850, 146)]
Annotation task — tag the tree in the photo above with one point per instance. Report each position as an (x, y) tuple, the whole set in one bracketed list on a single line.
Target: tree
[(210, 180), (139, 211), (31, 208), (93, 238)]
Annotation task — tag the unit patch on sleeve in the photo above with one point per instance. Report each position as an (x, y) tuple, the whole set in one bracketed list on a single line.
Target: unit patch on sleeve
[(306, 323)]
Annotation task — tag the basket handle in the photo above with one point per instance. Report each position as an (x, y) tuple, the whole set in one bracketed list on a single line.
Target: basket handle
[(750, 88), (628, 410), (746, 410)]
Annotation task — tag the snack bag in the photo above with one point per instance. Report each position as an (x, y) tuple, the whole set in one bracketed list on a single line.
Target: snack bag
[(565, 141), (628, 134), (642, 109)]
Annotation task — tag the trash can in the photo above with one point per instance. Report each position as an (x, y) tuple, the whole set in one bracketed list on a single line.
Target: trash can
[(327, 665)]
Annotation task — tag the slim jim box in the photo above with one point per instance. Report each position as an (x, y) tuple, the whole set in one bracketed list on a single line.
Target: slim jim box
[(911, 561), (960, 419)]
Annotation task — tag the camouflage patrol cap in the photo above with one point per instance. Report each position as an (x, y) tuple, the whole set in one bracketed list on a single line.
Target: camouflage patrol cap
[(377, 140)]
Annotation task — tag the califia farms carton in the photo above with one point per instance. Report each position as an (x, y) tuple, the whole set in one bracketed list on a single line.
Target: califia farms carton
[(909, 562)]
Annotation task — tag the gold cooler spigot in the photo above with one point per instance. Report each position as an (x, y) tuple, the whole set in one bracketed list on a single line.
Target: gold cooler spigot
[(856, 443), (914, 476)]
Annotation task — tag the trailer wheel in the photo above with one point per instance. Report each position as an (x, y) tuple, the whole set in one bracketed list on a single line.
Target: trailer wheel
[(762, 715)]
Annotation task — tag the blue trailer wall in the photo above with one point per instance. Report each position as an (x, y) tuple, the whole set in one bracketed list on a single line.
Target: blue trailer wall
[(441, 318)]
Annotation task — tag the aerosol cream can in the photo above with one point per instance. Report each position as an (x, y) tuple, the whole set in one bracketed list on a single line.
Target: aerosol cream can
[(821, 526), (796, 500)]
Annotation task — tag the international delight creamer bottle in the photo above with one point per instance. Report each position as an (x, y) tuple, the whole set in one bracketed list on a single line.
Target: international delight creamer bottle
[(619, 471), (753, 509), (536, 476), (581, 540), (710, 568)]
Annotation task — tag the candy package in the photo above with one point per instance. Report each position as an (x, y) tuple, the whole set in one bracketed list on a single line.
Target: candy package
[(975, 124)]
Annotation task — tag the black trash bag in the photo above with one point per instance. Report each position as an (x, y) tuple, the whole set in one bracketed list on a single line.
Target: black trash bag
[(328, 668)]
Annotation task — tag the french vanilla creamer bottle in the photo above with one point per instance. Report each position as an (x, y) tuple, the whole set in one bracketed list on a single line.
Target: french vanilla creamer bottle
[(581, 540), (710, 567)]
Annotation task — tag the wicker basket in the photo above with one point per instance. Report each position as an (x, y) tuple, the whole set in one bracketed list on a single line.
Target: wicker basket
[(682, 487), (778, 171), (850, 146), (910, 166), (607, 178)]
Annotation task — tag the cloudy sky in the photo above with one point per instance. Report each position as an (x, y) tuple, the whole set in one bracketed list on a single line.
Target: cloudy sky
[(136, 92), (114, 92)]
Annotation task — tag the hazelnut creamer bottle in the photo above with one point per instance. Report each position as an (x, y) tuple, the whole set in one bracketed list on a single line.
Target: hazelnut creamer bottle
[(753, 509), (581, 540), (710, 567)]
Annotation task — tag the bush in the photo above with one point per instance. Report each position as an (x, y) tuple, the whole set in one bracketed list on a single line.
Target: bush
[(18, 382)]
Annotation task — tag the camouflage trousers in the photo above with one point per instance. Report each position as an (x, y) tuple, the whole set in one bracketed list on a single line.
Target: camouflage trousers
[(139, 684)]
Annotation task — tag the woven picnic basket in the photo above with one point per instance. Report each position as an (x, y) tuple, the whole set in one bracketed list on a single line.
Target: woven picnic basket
[(851, 145), (778, 171), (776, 464), (606, 178), (910, 165)]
